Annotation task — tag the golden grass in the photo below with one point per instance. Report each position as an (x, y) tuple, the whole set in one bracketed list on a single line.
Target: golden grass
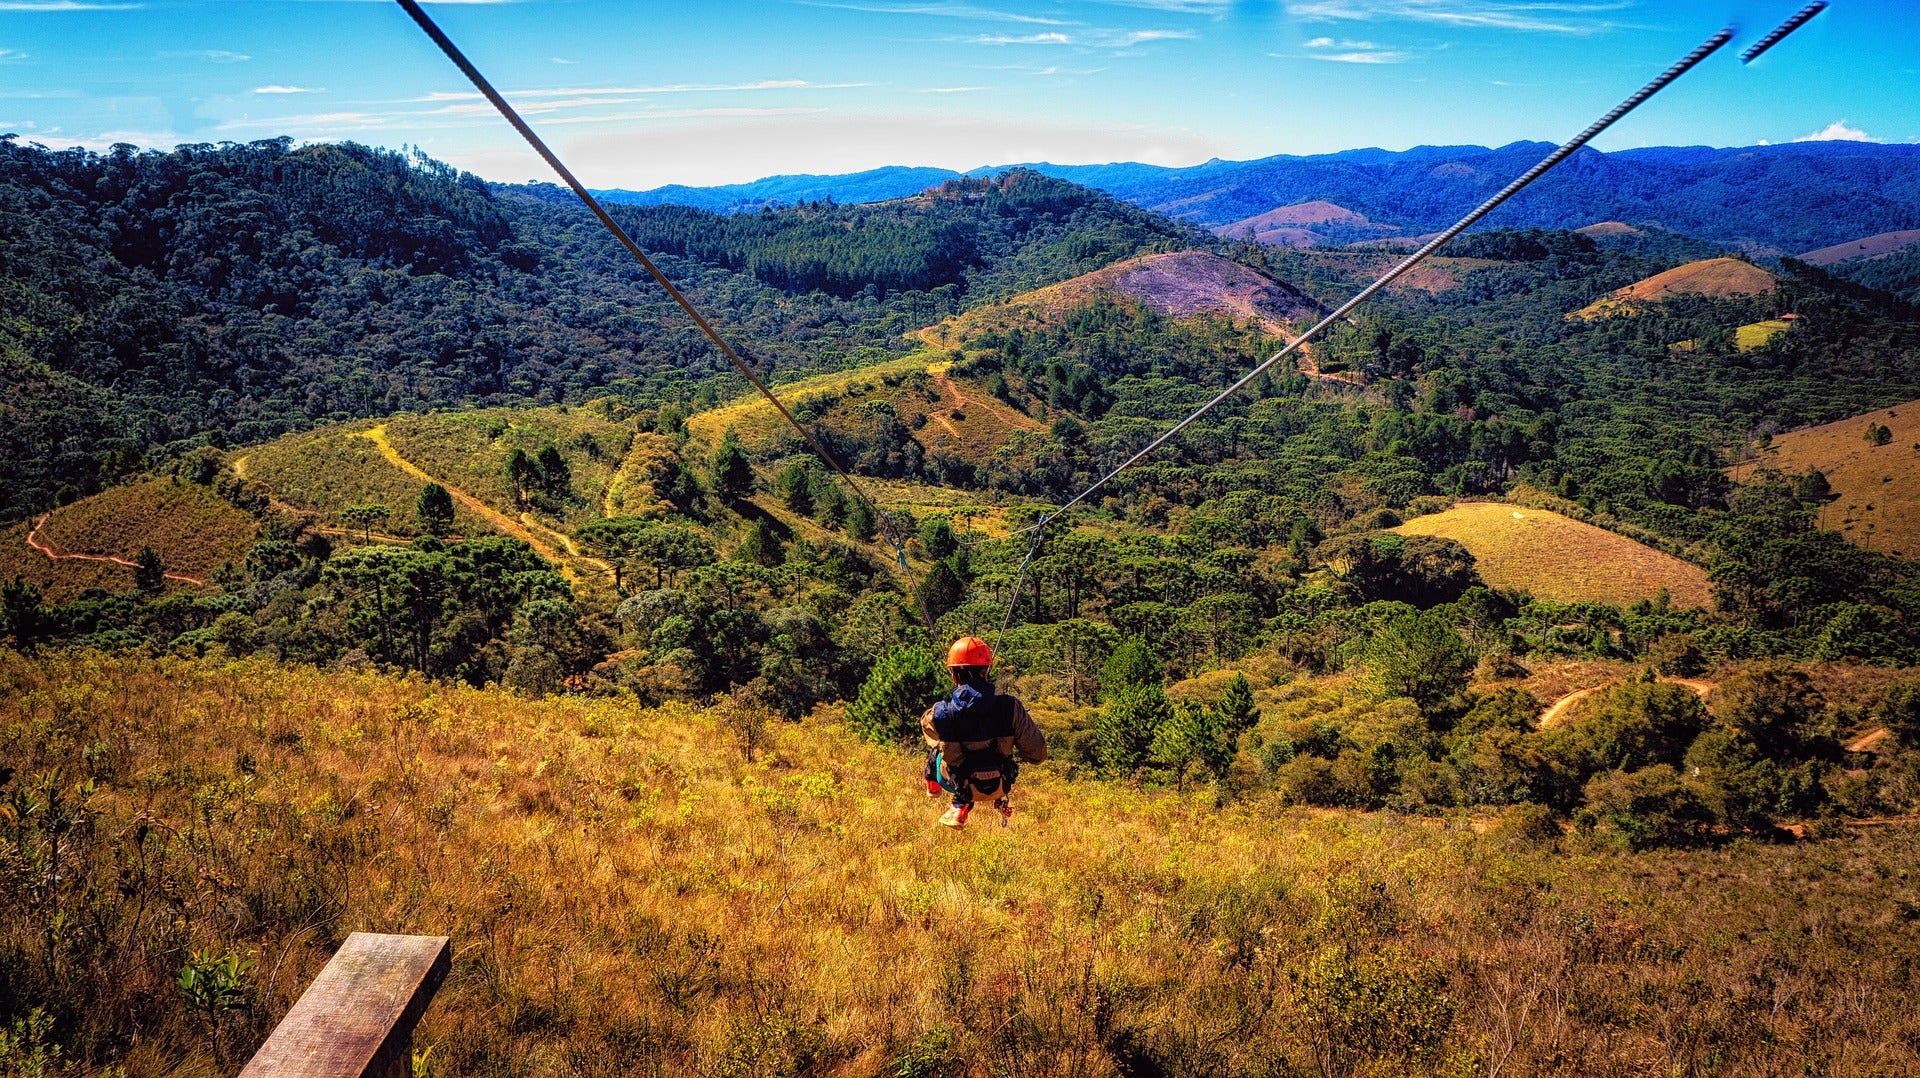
[(325, 471), (1559, 558), (1749, 337), (1877, 488), (192, 529), (627, 894), (756, 421), (469, 450)]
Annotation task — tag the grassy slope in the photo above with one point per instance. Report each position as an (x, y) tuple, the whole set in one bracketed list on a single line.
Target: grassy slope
[(324, 471), (470, 450), (1877, 487), (1559, 558), (191, 528), (626, 894), (1719, 277)]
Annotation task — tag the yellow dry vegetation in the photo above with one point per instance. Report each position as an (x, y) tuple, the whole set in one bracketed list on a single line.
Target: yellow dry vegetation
[(1556, 557), (324, 471), (1749, 337), (755, 420), (192, 529), (628, 893), (469, 450), (1876, 487)]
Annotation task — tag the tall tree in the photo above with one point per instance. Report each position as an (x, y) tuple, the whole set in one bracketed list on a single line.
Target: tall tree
[(731, 470), (435, 510)]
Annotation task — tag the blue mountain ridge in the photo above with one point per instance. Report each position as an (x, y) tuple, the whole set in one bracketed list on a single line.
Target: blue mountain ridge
[(1768, 199)]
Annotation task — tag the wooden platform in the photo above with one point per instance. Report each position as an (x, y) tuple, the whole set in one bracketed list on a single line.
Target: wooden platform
[(356, 1019)]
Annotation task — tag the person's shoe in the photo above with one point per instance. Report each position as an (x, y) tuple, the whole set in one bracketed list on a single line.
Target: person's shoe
[(933, 789), (1005, 805), (956, 816)]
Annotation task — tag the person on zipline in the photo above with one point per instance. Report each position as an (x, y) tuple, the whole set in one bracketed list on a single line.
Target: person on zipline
[(976, 737)]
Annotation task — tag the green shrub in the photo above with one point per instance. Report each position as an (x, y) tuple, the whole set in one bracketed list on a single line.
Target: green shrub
[(903, 684), (1648, 808)]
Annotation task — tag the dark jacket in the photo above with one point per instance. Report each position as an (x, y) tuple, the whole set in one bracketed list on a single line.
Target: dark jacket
[(984, 723)]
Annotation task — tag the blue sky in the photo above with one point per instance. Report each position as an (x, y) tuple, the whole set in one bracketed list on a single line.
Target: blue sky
[(641, 93)]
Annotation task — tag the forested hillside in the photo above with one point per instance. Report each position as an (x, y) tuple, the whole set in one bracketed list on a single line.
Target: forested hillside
[(226, 294)]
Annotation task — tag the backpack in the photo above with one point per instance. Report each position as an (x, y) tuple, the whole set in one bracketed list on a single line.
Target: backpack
[(968, 718)]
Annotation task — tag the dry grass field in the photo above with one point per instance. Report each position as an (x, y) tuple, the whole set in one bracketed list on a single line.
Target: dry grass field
[(323, 472), (1885, 243), (1559, 558), (628, 893), (192, 530), (1720, 277), (1749, 337), (755, 420), (1876, 487), (469, 450)]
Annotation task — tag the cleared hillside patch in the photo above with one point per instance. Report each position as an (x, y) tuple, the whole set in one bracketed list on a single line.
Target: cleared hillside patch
[(754, 419), (1559, 558), (1876, 488), (1749, 337), (192, 530), (470, 450), (326, 471), (1719, 278)]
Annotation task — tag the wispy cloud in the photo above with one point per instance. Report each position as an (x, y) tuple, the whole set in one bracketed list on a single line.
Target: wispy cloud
[(1838, 131), (952, 89), (276, 88), (212, 56), (1054, 38), (1093, 38), (63, 5), (956, 9), (7, 56), (1547, 16), (562, 60), (1350, 52)]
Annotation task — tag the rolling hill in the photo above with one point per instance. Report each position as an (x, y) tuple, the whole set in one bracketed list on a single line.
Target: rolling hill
[(1879, 246), (1306, 224), (1876, 488), (1180, 284), (1556, 557), (1713, 277), (92, 542)]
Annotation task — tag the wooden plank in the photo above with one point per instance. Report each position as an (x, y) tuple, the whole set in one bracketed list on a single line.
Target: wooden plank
[(356, 1019)]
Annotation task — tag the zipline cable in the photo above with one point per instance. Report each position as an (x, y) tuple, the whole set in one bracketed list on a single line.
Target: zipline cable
[(1798, 20), (1686, 63), (559, 167)]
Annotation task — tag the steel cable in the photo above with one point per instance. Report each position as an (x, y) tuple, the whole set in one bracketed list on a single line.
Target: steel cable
[(559, 167)]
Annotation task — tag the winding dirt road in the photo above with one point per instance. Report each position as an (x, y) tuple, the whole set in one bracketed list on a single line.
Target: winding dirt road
[(41, 545), (1553, 715)]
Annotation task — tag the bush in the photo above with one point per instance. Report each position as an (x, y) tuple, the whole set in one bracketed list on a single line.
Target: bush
[(1648, 808), (1365, 1010), (904, 683), (1774, 707)]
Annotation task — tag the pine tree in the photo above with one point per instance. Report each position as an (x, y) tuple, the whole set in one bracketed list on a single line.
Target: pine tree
[(903, 684), (763, 545), (860, 521), (1237, 711), (732, 471), (149, 573), (435, 510), (936, 535), (941, 589), (1131, 666), (796, 485), (1124, 730), (832, 505)]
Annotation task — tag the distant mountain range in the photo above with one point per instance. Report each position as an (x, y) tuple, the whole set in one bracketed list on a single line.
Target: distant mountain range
[(1766, 199)]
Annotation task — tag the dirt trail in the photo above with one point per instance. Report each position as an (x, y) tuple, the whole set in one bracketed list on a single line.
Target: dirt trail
[(239, 466), (1552, 715), (950, 391), (39, 544), (378, 436)]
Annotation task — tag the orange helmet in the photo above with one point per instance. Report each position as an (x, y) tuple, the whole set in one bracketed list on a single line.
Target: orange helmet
[(969, 651)]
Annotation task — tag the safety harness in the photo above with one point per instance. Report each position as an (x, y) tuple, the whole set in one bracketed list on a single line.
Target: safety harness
[(981, 723)]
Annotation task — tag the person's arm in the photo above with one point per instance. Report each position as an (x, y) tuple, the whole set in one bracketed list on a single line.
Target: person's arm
[(927, 732), (1027, 736)]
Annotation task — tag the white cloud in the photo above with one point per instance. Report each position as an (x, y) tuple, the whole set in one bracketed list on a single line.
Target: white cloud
[(1352, 52), (9, 55), (213, 56), (953, 89), (1360, 57), (1183, 7), (1552, 16), (276, 88), (1029, 39), (562, 60), (1838, 131)]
